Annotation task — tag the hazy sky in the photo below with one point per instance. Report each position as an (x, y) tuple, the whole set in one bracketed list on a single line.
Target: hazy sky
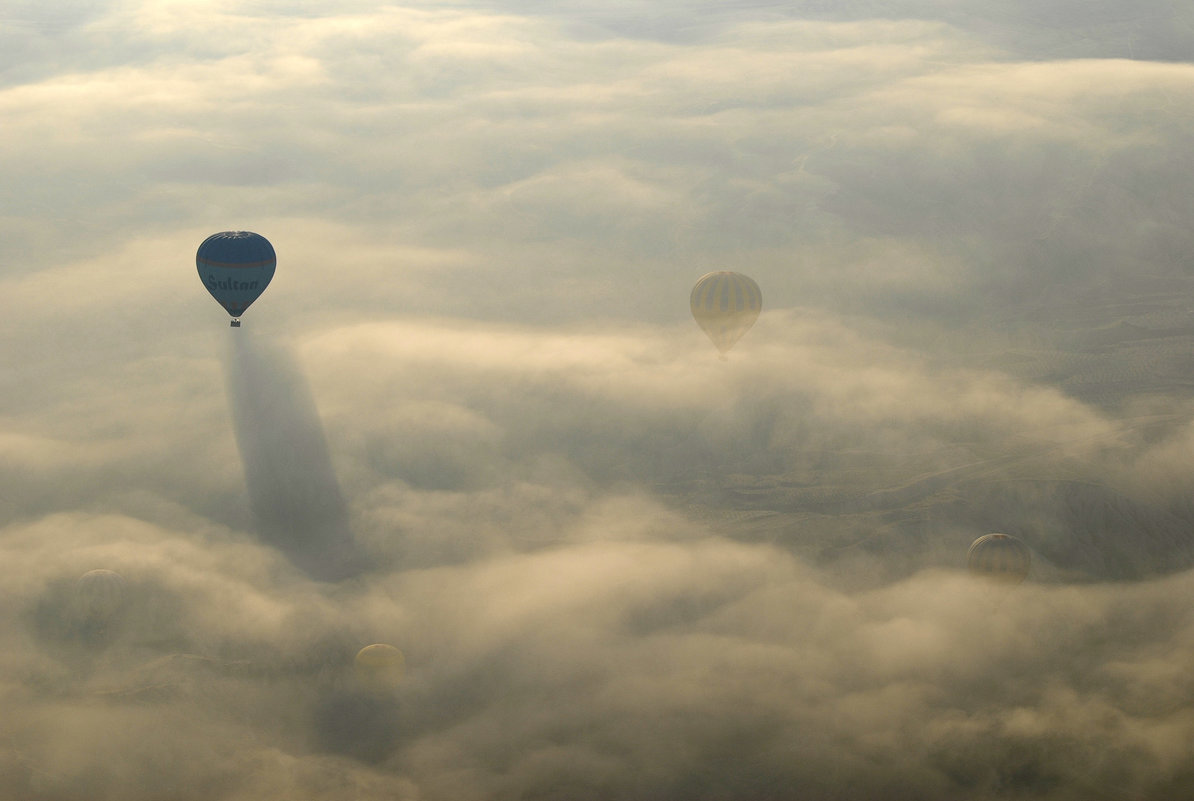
[(618, 567)]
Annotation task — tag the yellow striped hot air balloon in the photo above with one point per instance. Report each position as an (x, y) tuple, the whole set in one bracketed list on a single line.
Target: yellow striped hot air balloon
[(725, 305), (1001, 557)]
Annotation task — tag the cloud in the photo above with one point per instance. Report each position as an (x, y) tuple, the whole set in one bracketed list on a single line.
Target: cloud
[(292, 487), (629, 667), (571, 633), (820, 153), (618, 567)]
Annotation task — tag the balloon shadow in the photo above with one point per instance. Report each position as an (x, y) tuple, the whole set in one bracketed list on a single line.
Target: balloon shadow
[(293, 491)]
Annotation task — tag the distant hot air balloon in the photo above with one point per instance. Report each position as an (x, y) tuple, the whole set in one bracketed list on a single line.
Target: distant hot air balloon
[(236, 267), (725, 306), (100, 595), (1001, 557), (379, 667), (364, 717)]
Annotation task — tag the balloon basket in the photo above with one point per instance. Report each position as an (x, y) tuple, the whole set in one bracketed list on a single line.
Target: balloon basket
[(235, 324)]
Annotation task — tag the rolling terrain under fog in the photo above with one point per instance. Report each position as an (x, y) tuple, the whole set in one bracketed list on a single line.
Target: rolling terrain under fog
[(472, 418)]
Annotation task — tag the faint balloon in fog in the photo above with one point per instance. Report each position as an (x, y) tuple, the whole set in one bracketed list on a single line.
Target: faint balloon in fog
[(1000, 557), (725, 305), (100, 594), (379, 667)]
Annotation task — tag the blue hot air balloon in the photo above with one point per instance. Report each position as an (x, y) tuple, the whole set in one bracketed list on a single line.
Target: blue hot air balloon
[(236, 267)]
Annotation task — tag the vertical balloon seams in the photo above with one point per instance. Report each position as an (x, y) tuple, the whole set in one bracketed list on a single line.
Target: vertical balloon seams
[(725, 305), (999, 556), (100, 594), (719, 291)]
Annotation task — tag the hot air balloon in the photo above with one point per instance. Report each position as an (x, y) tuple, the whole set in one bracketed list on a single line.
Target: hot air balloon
[(725, 306), (1000, 557), (379, 667), (100, 595), (236, 267)]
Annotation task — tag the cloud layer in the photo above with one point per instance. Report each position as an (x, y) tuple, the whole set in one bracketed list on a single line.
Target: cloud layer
[(618, 567)]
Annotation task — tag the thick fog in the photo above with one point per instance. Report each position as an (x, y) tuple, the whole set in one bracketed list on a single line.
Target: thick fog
[(472, 417)]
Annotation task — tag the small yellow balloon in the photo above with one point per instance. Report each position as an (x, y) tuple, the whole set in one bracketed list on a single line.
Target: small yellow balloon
[(725, 305), (379, 667)]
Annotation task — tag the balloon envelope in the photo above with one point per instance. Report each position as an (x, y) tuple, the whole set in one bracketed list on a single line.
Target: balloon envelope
[(236, 267), (100, 594), (1001, 557), (379, 667), (725, 305)]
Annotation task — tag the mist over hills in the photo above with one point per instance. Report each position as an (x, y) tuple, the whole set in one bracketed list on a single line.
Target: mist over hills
[(472, 417)]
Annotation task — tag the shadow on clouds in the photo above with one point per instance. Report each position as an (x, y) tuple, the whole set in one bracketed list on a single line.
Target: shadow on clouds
[(292, 486)]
